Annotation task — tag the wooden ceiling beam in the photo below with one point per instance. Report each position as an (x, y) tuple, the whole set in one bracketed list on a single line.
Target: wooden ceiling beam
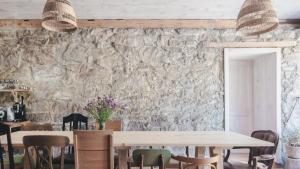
[(131, 23), (136, 23), (217, 24)]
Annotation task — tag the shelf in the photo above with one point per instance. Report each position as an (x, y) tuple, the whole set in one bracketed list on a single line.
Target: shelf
[(14, 90)]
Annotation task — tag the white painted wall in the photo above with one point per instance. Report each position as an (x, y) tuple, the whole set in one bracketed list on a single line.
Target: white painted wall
[(264, 92), (241, 96), (259, 56)]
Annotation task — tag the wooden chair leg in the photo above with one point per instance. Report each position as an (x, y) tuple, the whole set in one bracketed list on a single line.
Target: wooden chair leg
[(211, 154), (129, 164), (142, 162), (249, 159), (254, 166), (227, 156), (180, 165), (271, 164), (211, 151), (187, 151), (62, 153), (162, 164), (214, 165)]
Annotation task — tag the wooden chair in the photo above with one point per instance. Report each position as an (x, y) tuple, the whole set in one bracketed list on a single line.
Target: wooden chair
[(75, 120), (36, 127), (93, 149), (259, 157), (39, 150), (114, 125), (150, 158), (187, 162), (5, 130)]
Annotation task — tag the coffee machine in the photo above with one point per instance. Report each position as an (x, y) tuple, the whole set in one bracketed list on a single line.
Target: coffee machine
[(3, 114)]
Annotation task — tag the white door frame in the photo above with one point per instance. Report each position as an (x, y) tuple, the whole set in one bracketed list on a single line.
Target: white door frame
[(227, 53)]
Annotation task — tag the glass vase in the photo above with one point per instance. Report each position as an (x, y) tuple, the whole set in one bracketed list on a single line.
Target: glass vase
[(100, 125)]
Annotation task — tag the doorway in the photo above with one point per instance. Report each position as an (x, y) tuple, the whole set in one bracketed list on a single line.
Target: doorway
[(252, 89)]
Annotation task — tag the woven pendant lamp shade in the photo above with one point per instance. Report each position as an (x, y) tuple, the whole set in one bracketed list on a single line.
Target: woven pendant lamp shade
[(257, 17), (59, 15)]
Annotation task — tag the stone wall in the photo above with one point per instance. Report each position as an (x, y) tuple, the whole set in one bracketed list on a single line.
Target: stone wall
[(167, 77)]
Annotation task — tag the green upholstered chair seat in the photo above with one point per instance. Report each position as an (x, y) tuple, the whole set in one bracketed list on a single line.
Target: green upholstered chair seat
[(151, 157), (66, 166), (18, 159)]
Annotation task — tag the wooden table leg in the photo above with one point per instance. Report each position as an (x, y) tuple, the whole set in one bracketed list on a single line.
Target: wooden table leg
[(123, 157), (200, 153), (219, 151)]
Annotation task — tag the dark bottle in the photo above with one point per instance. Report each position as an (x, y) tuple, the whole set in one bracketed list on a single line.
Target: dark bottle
[(15, 109), (22, 109)]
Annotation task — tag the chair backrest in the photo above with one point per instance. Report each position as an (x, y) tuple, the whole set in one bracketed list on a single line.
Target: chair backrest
[(37, 127), (75, 121), (187, 162), (5, 130), (150, 158), (114, 125), (266, 135), (39, 150), (93, 149)]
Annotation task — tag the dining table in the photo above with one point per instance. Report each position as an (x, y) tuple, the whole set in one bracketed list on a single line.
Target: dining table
[(218, 141)]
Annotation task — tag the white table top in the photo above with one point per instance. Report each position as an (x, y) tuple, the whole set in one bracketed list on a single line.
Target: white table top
[(159, 138)]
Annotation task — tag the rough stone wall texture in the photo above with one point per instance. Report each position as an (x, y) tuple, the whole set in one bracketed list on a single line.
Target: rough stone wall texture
[(167, 77)]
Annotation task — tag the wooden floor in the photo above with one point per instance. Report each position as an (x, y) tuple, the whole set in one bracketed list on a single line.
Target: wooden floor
[(244, 158), (237, 157)]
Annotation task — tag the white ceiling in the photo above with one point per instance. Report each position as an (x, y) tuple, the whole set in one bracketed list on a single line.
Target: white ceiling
[(145, 9)]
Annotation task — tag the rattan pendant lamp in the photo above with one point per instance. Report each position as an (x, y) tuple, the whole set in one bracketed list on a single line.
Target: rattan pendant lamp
[(256, 17), (59, 15)]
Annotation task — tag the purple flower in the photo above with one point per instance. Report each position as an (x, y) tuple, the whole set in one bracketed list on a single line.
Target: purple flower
[(102, 107)]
